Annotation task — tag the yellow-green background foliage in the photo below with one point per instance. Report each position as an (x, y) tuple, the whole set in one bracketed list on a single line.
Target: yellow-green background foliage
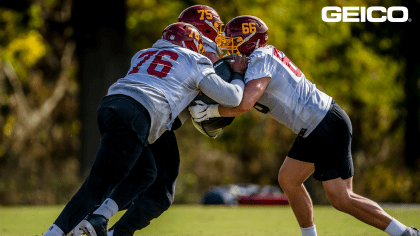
[(349, 61)]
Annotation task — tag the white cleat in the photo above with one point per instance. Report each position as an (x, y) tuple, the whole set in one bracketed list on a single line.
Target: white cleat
[(87, 228), (411, 232), (77, 231)]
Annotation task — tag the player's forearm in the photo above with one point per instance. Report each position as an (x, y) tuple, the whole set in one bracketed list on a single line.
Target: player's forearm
[(231, 111), (227, 94), (246, 105), (252, 92)]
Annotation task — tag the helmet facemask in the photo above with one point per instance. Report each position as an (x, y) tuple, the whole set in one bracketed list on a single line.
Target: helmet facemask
[(229, 45), (242, 35)]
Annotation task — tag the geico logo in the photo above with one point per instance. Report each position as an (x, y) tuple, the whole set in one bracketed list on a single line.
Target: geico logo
[(351, 14)]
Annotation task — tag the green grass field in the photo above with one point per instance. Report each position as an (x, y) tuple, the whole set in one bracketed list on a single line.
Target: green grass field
[(197, 220)]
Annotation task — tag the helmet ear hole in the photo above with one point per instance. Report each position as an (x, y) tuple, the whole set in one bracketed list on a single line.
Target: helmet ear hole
[(184, 35)]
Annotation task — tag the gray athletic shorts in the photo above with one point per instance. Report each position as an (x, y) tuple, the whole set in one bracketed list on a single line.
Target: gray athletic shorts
[(328, 146)]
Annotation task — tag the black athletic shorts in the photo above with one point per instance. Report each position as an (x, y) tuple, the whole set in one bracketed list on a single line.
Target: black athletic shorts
[(328, 146)]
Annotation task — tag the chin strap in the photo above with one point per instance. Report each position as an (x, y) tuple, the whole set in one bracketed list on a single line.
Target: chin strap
[(258, 43)]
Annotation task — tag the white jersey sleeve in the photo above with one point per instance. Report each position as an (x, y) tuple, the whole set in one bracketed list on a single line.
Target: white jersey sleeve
[(164, 79), (259, 66), (289, 98)]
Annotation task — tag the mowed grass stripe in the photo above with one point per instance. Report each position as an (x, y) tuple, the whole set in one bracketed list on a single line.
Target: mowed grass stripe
[(198, 220)]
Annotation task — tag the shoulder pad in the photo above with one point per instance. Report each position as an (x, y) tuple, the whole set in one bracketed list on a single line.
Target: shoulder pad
[(261, 52)]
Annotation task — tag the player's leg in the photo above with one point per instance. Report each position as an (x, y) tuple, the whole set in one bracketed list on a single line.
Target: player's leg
[(341, 197), (303, 160), (134, 184), (297, 167), (112, 162), (292, 174), (337, 178), (160, 195), (123, 194)]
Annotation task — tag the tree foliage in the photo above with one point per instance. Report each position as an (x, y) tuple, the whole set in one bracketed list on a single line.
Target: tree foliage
[(358, 64), (39, 106)]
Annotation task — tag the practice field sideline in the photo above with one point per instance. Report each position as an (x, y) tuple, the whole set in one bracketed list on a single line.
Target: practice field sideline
[(198, 220)]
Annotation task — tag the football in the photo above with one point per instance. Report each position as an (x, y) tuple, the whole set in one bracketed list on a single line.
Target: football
[(214, 126)]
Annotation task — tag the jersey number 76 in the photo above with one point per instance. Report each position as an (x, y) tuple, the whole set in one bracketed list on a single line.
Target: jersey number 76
[(151, 70)]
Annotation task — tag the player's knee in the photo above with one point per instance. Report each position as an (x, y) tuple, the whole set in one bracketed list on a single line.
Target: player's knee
[(157, 206), (164, 202), (156, 202), (152, 175), (148, 175), (284, 181), (280, 179), (340, 202), (284, 184)]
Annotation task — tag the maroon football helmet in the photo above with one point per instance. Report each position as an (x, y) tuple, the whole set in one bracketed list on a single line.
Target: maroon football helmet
[(204, 18), (184, 35), (244, 34)]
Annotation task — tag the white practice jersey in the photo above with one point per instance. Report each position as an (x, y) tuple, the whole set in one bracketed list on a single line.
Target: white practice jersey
[(164, 79), (290, 98), (209, 46)]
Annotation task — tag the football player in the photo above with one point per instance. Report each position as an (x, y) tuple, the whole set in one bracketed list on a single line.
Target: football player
[(138, 109), (275, 86), (159, 196), (208, 22)]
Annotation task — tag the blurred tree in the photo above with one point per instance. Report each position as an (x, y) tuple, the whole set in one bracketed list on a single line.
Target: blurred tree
[(369, 68), (398, 40), (408, 48), (38, 144), (341, 60), (18, 5), (104, 56)]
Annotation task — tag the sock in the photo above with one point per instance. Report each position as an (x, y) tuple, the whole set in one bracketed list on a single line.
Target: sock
[(395, 228), (108, 208), (310, 231), (54, 230)]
